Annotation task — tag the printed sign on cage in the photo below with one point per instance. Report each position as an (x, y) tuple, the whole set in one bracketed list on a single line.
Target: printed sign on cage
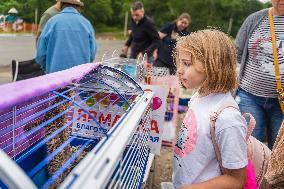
[(106, 108), (158, 114)]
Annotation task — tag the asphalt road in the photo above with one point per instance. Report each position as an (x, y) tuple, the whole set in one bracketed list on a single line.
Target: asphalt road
[(23, 48)]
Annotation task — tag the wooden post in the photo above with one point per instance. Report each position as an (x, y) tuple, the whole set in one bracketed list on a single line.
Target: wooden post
[(230, 26), (24, 25), (36, 14), (125, 24)]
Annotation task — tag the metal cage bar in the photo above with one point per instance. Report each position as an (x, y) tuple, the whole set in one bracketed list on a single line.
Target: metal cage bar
[(48, 125)]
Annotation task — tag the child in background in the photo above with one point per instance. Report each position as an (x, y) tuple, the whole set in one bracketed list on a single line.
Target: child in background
[(206, 61)]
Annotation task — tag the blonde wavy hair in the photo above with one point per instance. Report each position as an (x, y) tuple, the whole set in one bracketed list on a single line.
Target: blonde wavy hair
[(218, 54)]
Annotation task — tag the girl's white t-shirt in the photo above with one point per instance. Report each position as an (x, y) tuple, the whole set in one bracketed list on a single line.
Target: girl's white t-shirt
[(194, 156)]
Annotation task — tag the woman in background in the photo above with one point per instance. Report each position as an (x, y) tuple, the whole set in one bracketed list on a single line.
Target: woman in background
[(169, 34), (258, 90)]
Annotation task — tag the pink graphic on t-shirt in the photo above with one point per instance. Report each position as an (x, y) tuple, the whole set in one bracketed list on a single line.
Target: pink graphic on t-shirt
[(188, 135)]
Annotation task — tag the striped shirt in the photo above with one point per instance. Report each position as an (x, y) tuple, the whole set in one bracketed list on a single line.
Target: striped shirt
[(259, 73)]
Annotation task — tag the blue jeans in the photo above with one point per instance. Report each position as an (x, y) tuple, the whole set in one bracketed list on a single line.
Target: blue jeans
[(266, 112)]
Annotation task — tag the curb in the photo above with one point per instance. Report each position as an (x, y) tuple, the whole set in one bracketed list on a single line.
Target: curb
[(15, 35)]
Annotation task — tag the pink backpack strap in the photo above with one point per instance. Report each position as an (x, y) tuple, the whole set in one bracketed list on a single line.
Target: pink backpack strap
[(213, 119), (251, 124)]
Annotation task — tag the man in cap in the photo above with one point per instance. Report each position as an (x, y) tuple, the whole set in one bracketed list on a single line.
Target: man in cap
[(144, 37), (67, 40), (50, 12)]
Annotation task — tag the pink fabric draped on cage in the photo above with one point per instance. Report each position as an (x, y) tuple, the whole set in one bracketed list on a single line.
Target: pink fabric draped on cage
[(17, 100)]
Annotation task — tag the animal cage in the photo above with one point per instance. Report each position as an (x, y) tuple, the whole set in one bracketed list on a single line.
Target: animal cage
[(154, 76), (85, 127), (133, 67)]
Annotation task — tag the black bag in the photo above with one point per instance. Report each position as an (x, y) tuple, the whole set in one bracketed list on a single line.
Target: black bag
[(25, 70)]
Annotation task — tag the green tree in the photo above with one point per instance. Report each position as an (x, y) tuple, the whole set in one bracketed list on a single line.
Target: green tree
[(160, 12), (216, 13), (119, 8), (98, 12), (227, 15), (26, 8)]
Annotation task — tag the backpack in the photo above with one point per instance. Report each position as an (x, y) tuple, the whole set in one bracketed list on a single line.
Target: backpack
[(275, 170), (258, 153), (25, 70)]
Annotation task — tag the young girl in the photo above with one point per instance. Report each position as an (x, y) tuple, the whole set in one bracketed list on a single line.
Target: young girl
[(206, 61)]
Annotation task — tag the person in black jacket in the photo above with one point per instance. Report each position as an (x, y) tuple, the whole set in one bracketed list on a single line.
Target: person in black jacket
[(144, 37)]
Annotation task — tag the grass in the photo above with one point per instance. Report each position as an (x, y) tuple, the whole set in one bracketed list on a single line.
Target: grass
[(10, 32)]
